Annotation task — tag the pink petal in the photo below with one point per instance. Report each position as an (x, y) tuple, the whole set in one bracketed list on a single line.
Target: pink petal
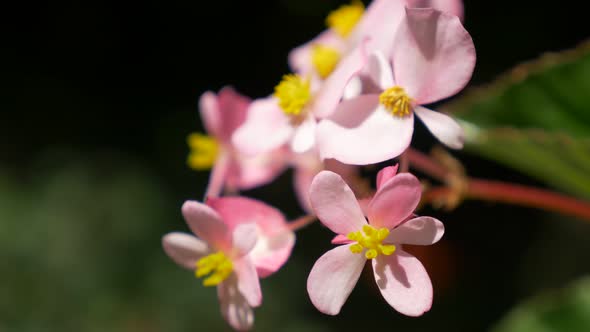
[(248, 283), (209, 109), (433, 57), (272, 252), (442, 126), (248, 172), (234, 307), (403, 282), (341, 239), (347, 172), (232, 111), (418, 231), (333, 277), (333, 87), (453, 7), (380, 23), (364, 203), (275, 240), (266, 128), (334, 203), (380, 71), (304, 136), (362, 133), (395, 201), (386, 174), (300, 57), (235, 210), (207, 224), (184, 249), (244, 237)]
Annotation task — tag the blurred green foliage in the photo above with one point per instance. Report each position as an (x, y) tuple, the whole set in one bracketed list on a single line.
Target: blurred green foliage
[(564, 310), (536, 119), (80, 251)]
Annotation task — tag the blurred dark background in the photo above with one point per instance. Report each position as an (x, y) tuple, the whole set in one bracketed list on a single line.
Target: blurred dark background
[(97, 99)]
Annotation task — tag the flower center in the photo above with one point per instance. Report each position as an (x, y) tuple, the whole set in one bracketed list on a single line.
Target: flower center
[(293, 93), (216, 264), (204, 150), (396, 101), (343, 19), (370, 239), (324, 59)]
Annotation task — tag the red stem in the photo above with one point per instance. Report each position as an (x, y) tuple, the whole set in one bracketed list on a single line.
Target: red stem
[(528, 196), (497, 191), (426, 165)]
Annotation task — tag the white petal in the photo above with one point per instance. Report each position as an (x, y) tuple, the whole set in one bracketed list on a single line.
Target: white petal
[(442, 126), (353, 88), (380, 71), (304, 136)]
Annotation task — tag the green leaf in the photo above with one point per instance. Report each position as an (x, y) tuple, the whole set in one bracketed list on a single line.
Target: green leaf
[(557, 311), (535, 119)]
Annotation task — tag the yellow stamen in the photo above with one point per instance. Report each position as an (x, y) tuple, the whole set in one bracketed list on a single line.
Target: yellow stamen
[(371, 239), (293, 93), (396, 101), (345, 18), (324, 59), (216, 264), (204, 150)]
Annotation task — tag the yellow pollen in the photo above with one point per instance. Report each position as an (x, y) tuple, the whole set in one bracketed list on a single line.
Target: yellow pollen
[(371, 239), (204, 150), (396, 101), (293, 93), (217, 265), (344, 19), (324, 59)]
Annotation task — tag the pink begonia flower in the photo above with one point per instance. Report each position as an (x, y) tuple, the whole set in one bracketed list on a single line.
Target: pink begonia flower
[(433, 58), (401, 278), (221, 115), (290, 115), (379, 23), (238, 240)]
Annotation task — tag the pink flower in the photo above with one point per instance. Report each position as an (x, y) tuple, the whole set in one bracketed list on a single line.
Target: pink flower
[(379, 23), (401, 278), (433, 58), (290, 115), (222, 114), (268, 127), (238, 240)]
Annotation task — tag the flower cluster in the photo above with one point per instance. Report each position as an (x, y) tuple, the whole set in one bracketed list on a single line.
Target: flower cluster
[(350, 101)]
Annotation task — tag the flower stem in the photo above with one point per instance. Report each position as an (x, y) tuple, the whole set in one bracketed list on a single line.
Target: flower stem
[(497, 191), (528, 196), (301, 222), (217, 177), (426, 164)]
